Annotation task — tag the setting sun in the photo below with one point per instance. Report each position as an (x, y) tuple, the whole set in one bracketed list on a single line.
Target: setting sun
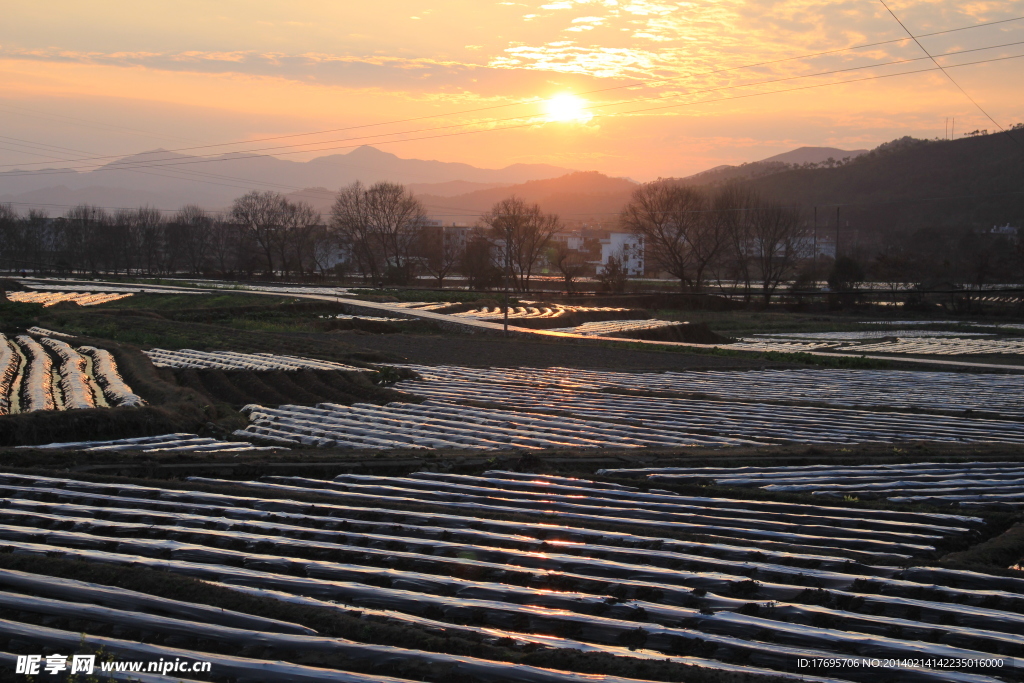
[(566, 107)]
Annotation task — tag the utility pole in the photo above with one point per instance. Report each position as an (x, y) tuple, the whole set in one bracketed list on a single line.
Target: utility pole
[(837, 232), (815, 247), (508, 269)]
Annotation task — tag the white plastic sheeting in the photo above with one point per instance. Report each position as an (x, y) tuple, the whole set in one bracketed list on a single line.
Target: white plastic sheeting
[(972, 483), (53, 298), (949, 391), (9, 363), (74, 382), (104, 369), (386, 562), (37, 384), (692, 421), (229, 360), (150, 444), (444, 425)]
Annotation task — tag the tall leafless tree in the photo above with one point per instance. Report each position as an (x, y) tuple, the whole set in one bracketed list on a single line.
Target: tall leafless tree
[(262, 216), (666, 214), (571, 263), (379, 225), (775, 231), (440, 250), (193, 232), (525, 231)]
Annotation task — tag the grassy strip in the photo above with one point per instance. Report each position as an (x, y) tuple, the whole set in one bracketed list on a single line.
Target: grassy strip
[(16, 317), (194, 302), (348, 624)]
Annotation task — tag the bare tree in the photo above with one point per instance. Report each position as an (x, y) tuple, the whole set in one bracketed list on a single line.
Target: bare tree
[(149, 226), (396, 216), (526, 232), (322, 249), (351, 226), (262, 216), (478, 262), (227, 244), (774, 234), (193, 234), (571, 263), (439, 250), (301, 223), (380, 225), (11, 237), (666, 215)]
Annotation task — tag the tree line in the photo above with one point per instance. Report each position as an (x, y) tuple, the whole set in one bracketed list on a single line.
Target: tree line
[(701, 236)]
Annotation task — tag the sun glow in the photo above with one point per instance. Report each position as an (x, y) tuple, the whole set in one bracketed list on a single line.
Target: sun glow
[(567, 108)]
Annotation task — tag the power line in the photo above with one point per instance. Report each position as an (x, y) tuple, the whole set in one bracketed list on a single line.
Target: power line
[(196, 160), (947, 74), (473, 212), (588, 92)]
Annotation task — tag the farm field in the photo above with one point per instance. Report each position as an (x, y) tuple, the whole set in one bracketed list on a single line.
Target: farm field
[(494, 578), (967, 485), (53, 298), (325, 496), (49, 374), (558, 407)]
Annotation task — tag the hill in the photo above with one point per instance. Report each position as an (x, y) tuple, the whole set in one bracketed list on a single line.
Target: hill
[(169, 180), (580, 197), (909, 184), (773, 164)]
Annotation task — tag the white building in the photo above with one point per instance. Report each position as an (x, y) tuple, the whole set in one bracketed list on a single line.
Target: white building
[(572, 240), (628, 248)]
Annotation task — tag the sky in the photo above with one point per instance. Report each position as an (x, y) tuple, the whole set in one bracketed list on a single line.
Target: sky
[(635, 88)]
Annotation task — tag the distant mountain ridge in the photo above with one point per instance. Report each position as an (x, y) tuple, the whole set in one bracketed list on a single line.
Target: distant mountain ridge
[(580, 197), (773, 164), (170, 179)]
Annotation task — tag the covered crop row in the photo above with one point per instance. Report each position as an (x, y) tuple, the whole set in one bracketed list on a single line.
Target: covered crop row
[(229, 360), (153, 444), (966, 484), (104, 369), (75, 386), (54, 298), (613, 327), (934, 346), (951, 391), (34, 379), (699, 418), (37, 383), (579, 586), (444, 425), (10, 361)]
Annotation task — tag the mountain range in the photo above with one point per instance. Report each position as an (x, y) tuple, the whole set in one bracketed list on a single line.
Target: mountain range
[(169, 179)]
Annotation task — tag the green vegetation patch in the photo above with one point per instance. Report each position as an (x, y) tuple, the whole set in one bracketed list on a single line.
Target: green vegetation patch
[(16, 317), (186, 302)]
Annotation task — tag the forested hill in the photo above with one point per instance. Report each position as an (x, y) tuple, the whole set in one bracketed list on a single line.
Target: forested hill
[(909, 184)]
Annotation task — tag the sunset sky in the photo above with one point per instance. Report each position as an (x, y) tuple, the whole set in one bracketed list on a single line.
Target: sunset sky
[(633, 82)]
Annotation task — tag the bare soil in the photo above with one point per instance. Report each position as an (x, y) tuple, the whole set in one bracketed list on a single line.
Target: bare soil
[(496, 351)]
